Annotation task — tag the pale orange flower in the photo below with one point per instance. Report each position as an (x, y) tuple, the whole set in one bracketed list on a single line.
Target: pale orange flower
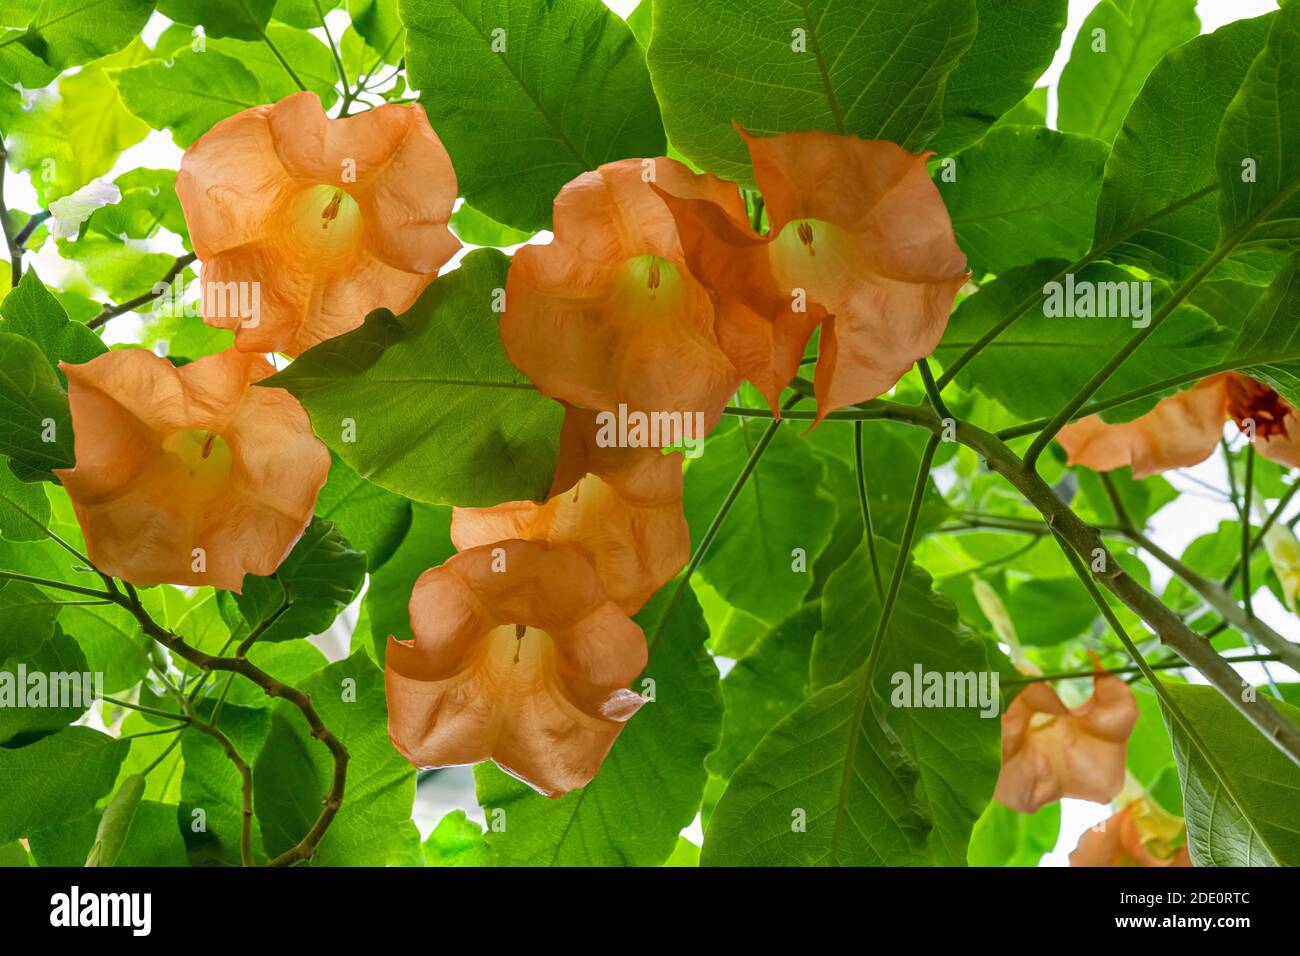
[(189, 475), (1050, 751), (1141, 834), (621, 506), (1183, 429), (859, 239), (305, 224), (519, 657), (607, 315)]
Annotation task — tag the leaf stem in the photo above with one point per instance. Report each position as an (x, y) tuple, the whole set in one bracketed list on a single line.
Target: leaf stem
[(283, 62), (111, 311), (868, 531)]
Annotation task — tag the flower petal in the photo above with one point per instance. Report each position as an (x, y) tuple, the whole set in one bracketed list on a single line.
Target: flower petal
[(1182, 430)]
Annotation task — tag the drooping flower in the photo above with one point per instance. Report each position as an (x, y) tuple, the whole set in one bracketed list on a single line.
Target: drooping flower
[(189, 475), (1141, 834), (68, 213), (519, 657), (621, 506), (607, 314), (1050, 751), (1184, 429), (305, 224), (857, 230)]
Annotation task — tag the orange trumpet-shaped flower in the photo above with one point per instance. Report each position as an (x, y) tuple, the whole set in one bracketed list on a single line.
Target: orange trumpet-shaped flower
[(189, 475), (305, 224), (607, 314), (1141, 834), (1050, 751), (519, 656), (620, 506), (860, 240), (1183, 429)]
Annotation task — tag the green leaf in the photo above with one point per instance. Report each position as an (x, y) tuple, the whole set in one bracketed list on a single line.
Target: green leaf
[(456, 841), (306, 14), (192, 95), (1005, 837), (211, 808), (310, 58), (763, 687), (14, 854), (650, 785), (1112, 57), (68, 140), (154, 840), (56, 654), (1260, 134), (30, 310), (439, 414), (872, 70), (850, 779), (35, 424), (293, 773), (1164, 154), (57, 778), (122, 271), (1042, 360), (762, 558), (148, 202), (378, 23), (426, 545), (1021, 194), (1014, 46), (244, 19), (639, 21), (1048, 611), (1239, 791), (24, 509), (1271, 337), (115, 823), (64, 33), (478, 229), (1031, 111), (319, 578), (564, 82), (372, 519)]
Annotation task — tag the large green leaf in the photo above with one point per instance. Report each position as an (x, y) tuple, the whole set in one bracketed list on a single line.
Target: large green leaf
[(67, 32), (426, 545), (762, 558), (850, 779), (68, 140), (1043, 360), (58, 655), (1239, 791), (439, 414), (57, 778), (1023, 193), (1013, 48), (35, 424), (564, 83), (1005, 837), (191, 95), (30, 310), (1258, 153), (319, 578), (372, 519), (24, 509), (244, 19), (875, 70), (1164, 154), (154, 839), (649, 787), (1271, 336), (1112, 57), (764, 686), (293, 773)]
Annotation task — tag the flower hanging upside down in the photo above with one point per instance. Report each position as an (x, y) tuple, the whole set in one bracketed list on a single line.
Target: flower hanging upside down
[(189, 475), (621, 506), (1141, 834), (1184, 429), (519, 657), (860, 241), (607, 314), (328, 219), (1050, 751)]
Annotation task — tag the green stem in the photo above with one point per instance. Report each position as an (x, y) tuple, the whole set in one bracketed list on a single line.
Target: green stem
[(1247, 493), (864, 503), (152, 711), (47, 583), (338, 60), (1130, 669), (283, 62), (932, 390)]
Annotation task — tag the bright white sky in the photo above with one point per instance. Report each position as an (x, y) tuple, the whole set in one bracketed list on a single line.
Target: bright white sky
[(1192, 515)]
